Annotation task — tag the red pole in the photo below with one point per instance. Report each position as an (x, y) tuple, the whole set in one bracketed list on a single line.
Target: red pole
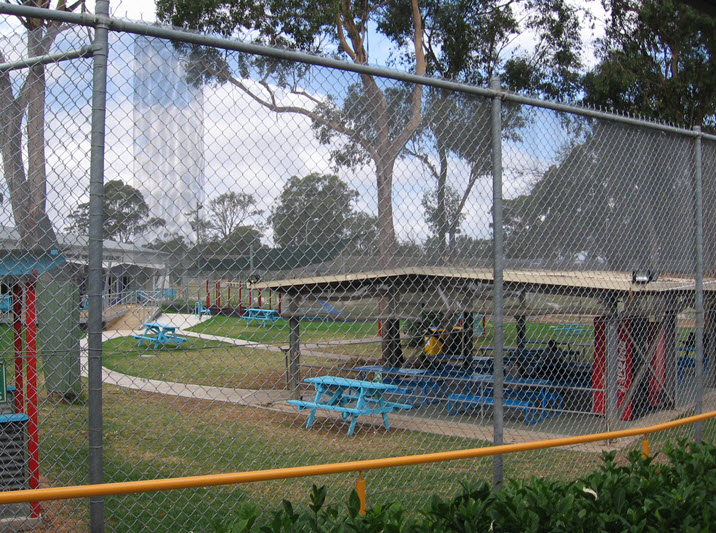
[(260, 296), (33, 448), (17, 340), (208, 295), (280, 302), (218, 295), (228, 298), (240, 301), (251, 297)]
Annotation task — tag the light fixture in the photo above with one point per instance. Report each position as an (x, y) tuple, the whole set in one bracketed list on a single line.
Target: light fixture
[(644, 276)]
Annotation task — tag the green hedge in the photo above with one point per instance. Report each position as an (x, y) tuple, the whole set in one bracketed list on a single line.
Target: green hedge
[(674, 491)]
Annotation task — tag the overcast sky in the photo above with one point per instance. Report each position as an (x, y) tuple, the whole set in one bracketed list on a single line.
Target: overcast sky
[(252, 150)]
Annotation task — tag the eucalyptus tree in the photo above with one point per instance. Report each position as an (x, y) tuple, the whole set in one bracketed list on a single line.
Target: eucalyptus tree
[(472, 41), (22, 130), (362, 117), (621, 197), (230, 210), (126, 215), (656, 61)]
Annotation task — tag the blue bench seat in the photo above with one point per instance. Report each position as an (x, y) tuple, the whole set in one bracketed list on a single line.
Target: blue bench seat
[(469, 400), (261, 315), (158, 342), (345, 410), (685, 361)]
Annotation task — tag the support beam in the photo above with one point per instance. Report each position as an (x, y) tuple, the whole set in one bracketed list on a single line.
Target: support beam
[(293, 370), (612, 365), (671, 340)]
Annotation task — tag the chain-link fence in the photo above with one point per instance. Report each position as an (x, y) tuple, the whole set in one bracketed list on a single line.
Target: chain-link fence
[(489, 268)]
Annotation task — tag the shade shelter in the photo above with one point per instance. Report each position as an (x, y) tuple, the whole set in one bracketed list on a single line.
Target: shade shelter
[(621, 301), (19, 272)]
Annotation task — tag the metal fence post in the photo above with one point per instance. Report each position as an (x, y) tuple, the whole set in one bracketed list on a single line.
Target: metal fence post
[(699, 283), (498, 266), (94, 324)]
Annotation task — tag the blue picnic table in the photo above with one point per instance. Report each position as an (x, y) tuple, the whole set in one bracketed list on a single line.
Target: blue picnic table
[(351, 397), (425, 385), (688, 361), (5, 304), (262, 315), (534, 396), (417, 385), (572, 328), (159, 334)]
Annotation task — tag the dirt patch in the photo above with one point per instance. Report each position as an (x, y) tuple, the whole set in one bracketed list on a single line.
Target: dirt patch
[(133, 317)]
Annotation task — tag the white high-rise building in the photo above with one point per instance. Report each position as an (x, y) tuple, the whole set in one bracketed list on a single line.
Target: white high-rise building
[(168, 137)]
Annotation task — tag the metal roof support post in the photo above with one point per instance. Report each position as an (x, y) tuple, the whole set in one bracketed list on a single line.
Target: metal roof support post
[(94, 282), (293, 367), (699, 283), (611, 378), (498, 267)]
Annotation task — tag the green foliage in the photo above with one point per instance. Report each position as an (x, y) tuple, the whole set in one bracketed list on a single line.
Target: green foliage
[(643, 495), (126, 214), (314, 209), (229, 211), (656, 61)]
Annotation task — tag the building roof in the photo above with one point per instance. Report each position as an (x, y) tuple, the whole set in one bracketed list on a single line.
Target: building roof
[(427, 278), (21, 265), (75, 248)]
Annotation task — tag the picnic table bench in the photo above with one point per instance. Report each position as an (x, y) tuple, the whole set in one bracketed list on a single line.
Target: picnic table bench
[(200, 310), (5, 304), (262, 315), (159, 334), (533, 396), (351, 397), (574, 328), (688, 361), (416, 384)]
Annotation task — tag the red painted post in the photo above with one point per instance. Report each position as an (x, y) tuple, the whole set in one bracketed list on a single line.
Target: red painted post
[(208, 295), (17, 341), (33, 448), (228, 298), (241, 303), (260, 296), (218, 295), (251, 297), (280, 302)]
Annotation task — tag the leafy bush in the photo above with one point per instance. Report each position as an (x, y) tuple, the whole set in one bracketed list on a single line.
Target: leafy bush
[(643, 495)]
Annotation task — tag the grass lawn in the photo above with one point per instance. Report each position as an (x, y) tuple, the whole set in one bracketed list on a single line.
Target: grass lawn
[(277, 332), (153, 436)]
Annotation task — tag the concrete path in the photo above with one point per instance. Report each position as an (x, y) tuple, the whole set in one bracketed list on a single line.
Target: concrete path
[(275, 399), (187, 390)]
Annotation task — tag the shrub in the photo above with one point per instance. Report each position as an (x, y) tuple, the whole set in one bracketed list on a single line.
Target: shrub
[(645, 494)]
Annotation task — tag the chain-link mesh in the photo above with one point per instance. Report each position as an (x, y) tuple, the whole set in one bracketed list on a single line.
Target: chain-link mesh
[(272, 228)]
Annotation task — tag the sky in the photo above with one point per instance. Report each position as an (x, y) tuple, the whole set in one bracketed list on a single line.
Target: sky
[(250, 149)]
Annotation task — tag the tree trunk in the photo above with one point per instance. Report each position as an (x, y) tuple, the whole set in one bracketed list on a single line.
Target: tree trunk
[(442, 215), (36, 232), (28, 193)]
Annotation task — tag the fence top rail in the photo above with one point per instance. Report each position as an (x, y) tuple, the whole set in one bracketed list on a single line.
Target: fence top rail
[(88, 19), (211, 480)]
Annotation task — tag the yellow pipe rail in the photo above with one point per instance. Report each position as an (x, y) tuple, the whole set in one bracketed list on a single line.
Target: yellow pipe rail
[(210, 480)]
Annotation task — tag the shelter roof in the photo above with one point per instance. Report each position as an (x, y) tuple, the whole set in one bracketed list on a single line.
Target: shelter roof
[(21, 265), (426, 278)]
